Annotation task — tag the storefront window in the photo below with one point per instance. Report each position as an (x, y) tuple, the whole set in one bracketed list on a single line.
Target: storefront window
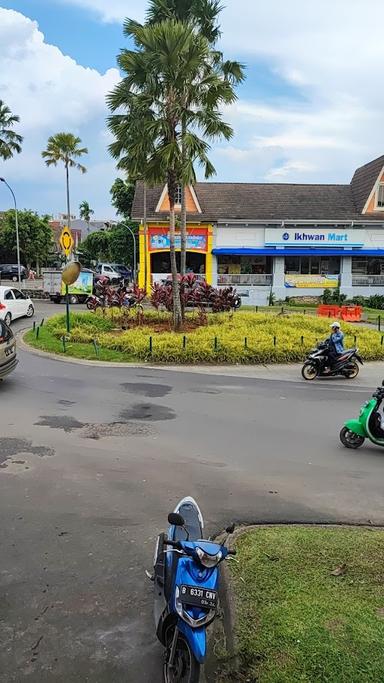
[(312, 265), (244, 265), (367, 266)]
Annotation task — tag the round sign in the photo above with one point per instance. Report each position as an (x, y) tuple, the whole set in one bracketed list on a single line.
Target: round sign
[(71, 273)]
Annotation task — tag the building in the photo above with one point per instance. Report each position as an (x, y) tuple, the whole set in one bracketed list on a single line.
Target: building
[(80, 229), (293, 240)]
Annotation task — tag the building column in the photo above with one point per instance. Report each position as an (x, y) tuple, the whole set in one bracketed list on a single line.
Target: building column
[(209, 259), (278, 286), (346, 276), (142, 257)]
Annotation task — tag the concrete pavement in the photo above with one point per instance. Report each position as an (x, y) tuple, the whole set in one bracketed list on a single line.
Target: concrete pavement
[(91, 461)]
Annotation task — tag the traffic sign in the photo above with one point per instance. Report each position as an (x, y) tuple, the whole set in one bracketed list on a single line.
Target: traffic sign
[(66, 241)]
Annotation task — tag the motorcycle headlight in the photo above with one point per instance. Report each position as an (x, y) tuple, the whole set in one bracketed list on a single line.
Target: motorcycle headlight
[(207, 560)]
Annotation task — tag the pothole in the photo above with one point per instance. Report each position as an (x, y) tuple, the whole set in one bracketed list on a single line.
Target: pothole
[(150, 412), (65, 422), (147, 389), (100, 431), (10, 447)]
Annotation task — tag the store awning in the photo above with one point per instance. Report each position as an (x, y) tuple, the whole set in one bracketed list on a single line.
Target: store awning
[(235, 251)]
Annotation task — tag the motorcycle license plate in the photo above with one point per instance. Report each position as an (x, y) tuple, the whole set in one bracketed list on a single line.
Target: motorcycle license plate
[(198, 597)]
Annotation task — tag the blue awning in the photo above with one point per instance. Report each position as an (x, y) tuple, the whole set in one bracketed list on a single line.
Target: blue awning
[(293, 251)]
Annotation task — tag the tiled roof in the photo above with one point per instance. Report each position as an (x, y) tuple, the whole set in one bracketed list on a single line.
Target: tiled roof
[(364, 180), (273, 201)]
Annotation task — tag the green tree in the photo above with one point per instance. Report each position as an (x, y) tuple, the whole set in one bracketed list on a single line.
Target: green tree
[(96, 247), (65, 148), (122, 197), (114, 245), (36, 237), (10, 142), (85, 213), (203, 15), (169, 57)]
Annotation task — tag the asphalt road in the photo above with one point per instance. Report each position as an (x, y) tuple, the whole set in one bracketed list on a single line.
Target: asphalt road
[(91, 461)]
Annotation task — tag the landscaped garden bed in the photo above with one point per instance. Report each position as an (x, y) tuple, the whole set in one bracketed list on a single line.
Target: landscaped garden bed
[(308, 606), (241, 337)]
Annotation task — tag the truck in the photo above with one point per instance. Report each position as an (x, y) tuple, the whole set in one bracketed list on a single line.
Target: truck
[(78, 292)]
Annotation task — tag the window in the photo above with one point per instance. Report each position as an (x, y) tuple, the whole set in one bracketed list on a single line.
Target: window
[(17, 294), (178, 194), (380, 196), (8, 295)]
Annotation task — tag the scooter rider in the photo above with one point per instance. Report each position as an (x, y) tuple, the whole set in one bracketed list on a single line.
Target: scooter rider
[(336, 343)]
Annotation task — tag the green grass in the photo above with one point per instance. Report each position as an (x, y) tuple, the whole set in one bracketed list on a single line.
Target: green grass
[(298, 623), (245, 337)]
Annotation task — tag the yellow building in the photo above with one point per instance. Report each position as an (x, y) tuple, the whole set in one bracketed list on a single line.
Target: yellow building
[(154, 240)]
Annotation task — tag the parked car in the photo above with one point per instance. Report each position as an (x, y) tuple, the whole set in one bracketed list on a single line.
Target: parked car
[(124, 271), (14, 304), (9, 271), (108, 270), (8, 359)]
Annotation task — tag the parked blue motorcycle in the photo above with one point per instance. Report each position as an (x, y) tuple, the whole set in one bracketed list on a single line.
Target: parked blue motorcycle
[(186, 578)]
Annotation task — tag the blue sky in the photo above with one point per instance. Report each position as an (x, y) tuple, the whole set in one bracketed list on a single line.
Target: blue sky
[(310, 110)]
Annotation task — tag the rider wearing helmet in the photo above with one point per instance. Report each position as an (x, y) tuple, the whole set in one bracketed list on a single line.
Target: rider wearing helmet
[(336, 343)]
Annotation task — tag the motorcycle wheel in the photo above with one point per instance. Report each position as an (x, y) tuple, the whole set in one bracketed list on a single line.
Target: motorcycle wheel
[(309, 371), (185, 668), (353, 371), (350, 439)]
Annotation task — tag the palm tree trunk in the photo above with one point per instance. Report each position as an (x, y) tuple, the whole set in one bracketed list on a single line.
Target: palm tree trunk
[(177, 313)]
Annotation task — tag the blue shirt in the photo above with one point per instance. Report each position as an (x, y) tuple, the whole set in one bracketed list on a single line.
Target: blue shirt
[(338, 341)]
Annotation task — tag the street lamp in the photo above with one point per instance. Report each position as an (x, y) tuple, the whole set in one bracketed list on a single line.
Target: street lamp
[(2, 180), (134, 251)]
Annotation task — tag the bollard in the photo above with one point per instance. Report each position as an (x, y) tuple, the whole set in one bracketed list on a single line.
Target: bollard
[(42, 322), (246, 342), (37, 332), (184, 343), (355, 340), (34, 325), (216, 344), (150, 344), (257, 309), (64, 345), (302, 341), (379, 323), (305, 311), (274, 341)]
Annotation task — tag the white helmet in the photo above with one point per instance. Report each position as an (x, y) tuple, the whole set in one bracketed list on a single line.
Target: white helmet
[(336, 325)]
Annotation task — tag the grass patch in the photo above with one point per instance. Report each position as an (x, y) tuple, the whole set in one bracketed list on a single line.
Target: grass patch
[(297, 622), (244, 337)]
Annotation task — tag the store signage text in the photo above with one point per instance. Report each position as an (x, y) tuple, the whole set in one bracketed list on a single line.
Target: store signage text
[(322, 238)]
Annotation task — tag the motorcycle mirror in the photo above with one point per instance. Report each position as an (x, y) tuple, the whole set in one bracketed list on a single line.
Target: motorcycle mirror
[(175, 519)]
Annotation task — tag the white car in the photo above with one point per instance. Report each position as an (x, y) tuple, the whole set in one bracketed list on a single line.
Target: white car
[(14, 304)]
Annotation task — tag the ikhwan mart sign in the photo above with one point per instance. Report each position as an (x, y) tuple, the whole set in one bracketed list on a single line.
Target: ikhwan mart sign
[(300, 237)]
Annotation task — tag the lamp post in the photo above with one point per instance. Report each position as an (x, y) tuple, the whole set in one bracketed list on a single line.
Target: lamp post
[(2, 180), (134, 251)]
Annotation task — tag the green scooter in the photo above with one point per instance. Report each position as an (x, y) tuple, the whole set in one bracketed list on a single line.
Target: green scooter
[(368, 426)]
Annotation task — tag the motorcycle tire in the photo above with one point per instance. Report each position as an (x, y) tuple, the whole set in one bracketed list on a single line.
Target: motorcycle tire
[(351, 373), (186, 668), (309, 371), (350, 439)]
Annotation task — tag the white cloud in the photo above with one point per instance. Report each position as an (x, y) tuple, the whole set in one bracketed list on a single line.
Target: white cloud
[(51, 92)]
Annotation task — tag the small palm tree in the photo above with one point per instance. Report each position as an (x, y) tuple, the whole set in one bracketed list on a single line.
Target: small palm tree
[(10, 142), (85, 213), (65, 147)]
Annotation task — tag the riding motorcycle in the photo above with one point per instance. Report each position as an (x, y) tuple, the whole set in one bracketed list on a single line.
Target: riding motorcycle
[(367, 426), (186, 578), (317, 363)]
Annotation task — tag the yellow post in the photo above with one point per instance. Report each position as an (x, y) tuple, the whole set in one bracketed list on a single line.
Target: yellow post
[(142, 252), (209, 257)]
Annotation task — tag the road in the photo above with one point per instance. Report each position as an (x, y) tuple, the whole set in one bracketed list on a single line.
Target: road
[(91, 461)]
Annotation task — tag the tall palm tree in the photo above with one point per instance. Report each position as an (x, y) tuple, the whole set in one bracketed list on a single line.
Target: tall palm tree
[(85, 213), (10, 142), (203, 15), (169, 57), (65, 148)]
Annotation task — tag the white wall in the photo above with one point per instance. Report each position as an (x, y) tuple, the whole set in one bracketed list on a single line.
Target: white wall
[(240, 237)]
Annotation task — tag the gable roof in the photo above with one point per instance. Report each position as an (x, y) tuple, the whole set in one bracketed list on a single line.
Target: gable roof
[(364, 180), (273, 201)]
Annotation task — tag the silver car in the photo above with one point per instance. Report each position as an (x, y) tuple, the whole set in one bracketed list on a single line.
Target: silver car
[(8, 359)]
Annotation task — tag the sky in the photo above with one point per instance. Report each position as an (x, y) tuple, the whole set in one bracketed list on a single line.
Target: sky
[(310, 109)]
